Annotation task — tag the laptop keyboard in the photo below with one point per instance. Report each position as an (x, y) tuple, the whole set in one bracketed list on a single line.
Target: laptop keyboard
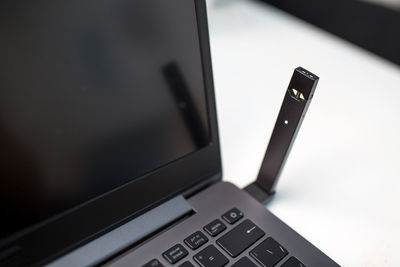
[(234, 242)]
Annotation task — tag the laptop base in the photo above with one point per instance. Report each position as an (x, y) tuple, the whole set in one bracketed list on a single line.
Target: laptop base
[(229, 226)]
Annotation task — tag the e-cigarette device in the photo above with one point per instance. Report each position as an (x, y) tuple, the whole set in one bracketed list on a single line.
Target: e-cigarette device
[(294, 107)]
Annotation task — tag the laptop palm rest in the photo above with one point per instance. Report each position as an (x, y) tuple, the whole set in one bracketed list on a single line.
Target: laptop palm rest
[(129, 233)]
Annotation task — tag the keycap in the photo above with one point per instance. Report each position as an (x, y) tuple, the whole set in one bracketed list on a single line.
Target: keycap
[(175, 253), (269, 252), (215, 227), (232, 216), (293, 262), (210, 257), (241, 237), (244, 262), (196, 240), (186, 264), (153, 263)]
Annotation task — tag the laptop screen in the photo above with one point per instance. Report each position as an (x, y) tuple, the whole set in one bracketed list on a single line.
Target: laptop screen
[(93, 95)]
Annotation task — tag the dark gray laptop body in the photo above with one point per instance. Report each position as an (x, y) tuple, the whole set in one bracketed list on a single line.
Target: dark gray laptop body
[(109, 143)]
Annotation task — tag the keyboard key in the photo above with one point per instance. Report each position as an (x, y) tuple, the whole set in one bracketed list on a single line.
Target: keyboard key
[(244, 262), (210, 257), (240, 238), (215, 227), (232, 216), (293, 262), (175, 253), (269, 252), (153, 263), (186, 264), (196, 240)]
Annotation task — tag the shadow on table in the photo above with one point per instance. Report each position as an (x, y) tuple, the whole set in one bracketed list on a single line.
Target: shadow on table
[(370, 26)]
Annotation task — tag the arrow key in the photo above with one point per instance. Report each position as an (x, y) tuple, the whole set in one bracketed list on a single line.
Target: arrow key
[(269, 252)]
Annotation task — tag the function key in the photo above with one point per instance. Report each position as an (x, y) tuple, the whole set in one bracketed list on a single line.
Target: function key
[(244, 262), (215, 227), (232, 216), (210, 257), (186, 264), (153, 263), (175, 253), (269, 252), (240, 238), (293, 262), (196, 240)]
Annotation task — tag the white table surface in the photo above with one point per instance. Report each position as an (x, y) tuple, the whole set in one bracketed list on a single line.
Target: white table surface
[(341, 185)]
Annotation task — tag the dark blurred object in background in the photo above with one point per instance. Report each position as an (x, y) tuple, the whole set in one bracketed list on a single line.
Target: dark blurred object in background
[(373, 25)]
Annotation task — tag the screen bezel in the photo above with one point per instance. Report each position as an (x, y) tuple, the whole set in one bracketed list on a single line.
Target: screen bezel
[(64, 232)]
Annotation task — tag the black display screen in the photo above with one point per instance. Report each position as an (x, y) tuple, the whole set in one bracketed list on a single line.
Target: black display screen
[(93, 94)]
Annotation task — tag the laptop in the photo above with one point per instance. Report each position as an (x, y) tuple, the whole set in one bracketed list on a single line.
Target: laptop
[(109, 143)]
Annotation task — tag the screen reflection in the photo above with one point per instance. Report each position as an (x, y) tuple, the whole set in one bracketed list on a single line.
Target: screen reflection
[(92, 95)]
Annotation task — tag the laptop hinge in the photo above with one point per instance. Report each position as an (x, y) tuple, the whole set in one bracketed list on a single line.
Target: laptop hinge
[(127, 234)]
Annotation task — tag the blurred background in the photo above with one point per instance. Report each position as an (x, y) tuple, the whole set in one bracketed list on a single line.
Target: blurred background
[(390, 3), (371, 24)]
